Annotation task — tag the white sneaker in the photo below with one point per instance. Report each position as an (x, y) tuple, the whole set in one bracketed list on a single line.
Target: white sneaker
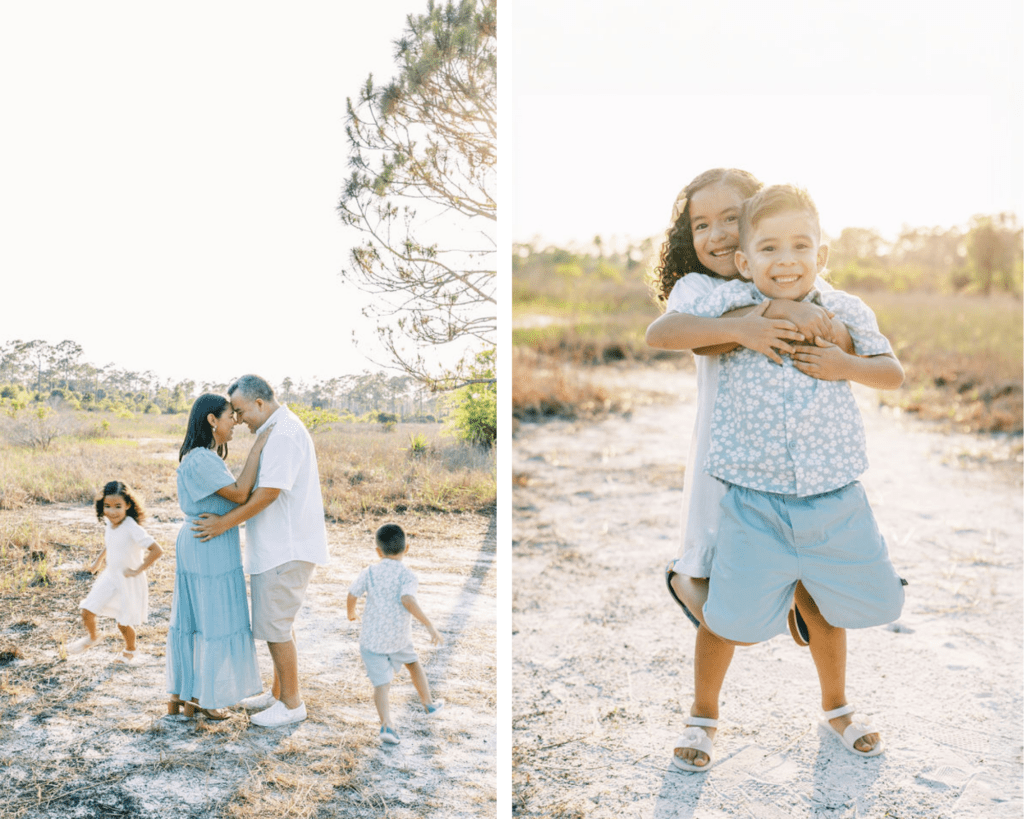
[(434, 707), (259, 701), (279, 714)]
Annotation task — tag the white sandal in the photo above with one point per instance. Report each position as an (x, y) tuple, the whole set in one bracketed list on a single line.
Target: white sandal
[(83, 643), (695, 737), (853, 731)]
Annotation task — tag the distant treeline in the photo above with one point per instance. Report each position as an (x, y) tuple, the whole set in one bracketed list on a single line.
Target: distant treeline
[(36, 371), (982, 257)]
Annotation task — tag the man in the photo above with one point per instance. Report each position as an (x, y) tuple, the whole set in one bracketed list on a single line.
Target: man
[(285, 539)]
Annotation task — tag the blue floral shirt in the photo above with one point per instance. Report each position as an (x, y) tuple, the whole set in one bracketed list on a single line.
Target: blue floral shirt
[(775, 429)]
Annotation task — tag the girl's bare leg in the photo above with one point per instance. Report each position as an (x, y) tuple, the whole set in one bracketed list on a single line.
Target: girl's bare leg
[(710, 663), (129, 637), (712, 656), (89, 621), (828, 649), (693, 591)]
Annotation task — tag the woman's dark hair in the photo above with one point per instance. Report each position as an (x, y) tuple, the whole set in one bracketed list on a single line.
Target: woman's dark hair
[(135, 509), (199, 432), (678, 256)]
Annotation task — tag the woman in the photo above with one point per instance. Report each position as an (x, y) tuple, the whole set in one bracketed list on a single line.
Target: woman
[(211, 657)]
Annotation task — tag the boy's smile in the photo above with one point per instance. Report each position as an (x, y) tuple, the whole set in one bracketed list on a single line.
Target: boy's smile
[(784, 255)]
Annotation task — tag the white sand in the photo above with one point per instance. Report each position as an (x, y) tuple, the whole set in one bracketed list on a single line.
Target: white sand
[(603, 656)]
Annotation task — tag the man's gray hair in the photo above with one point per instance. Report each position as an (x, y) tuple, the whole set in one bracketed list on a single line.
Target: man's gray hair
[(252, 387)]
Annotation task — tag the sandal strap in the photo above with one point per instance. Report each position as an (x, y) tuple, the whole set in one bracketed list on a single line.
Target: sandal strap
[(702, 722), (841, 711)]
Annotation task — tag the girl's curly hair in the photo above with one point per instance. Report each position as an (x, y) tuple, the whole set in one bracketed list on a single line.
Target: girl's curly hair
[(135, 508), (678, 256)]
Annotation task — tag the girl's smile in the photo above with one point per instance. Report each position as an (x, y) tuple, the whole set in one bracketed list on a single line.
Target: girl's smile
[(115, 509), (714, 222)]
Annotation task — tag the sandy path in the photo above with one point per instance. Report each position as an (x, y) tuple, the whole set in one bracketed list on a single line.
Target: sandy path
[(603, 657), (89, 739)]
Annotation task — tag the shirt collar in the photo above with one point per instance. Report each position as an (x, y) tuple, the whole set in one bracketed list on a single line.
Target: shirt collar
[(813, 295), (273, 415)]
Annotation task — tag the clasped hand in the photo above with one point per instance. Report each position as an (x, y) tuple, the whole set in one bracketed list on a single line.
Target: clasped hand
[(207, 526), (822, 360), (772, 336)]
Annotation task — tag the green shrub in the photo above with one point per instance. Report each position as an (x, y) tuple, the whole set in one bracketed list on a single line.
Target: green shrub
[(473, 409)]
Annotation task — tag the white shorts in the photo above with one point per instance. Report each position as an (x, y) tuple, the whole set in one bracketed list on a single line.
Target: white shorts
[(381, 668)]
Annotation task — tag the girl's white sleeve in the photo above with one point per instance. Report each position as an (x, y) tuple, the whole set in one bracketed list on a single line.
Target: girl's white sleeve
[(688, 290)]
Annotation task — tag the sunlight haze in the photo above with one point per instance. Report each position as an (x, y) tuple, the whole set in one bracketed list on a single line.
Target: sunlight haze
[(170, 183)]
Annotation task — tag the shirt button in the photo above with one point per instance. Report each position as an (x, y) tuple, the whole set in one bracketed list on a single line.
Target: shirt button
[(792, 444)]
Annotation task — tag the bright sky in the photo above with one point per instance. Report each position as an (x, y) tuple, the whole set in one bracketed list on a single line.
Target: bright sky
[(890, 114), (170, 176)]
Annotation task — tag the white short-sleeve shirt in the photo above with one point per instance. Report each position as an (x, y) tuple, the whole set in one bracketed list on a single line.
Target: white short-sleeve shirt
[(386, 621), (292, 527)]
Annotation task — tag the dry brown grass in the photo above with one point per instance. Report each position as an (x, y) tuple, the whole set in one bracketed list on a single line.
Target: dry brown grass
[(363, 469), (546, 387), (963, 358), (332, 767)]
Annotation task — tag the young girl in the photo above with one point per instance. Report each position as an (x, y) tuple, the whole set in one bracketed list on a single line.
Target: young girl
[(697, 257), (121, 591)]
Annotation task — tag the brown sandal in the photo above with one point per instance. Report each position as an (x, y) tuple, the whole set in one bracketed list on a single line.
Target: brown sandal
[(192, 708)]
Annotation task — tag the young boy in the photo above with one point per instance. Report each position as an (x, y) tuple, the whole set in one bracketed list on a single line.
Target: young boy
[(385, 641), (795, 521)]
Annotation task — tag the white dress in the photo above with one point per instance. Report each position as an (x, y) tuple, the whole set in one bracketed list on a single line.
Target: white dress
[(126, 599), (702, 494)]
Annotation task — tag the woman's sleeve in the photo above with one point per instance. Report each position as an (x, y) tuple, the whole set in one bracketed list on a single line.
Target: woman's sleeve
[(205, 472)]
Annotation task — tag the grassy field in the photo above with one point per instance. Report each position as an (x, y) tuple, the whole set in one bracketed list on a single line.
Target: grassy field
[(363, 469), (84, 736), (963, 355)]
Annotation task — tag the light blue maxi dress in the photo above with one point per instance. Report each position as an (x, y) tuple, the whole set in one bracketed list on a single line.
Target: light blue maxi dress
[(211, 655)]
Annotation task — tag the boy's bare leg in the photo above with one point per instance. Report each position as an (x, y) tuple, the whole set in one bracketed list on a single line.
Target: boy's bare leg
[(89, 621), (419, 681), (380, 699), (828, 649), (129, 637)]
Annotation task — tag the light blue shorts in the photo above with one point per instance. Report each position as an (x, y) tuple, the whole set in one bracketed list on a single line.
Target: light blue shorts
[(381, 668), (829, 542)]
